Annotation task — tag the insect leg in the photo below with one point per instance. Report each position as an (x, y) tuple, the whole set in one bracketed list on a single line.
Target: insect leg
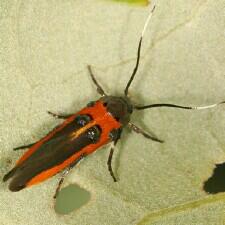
[(24, 146), (50, 113), (145, 134), (99, 88), (109, 162), (115, 136), (61, 116), (65, 172)]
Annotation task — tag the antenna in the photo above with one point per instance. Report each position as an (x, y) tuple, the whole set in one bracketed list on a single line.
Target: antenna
[(139, 51), (178, 106)]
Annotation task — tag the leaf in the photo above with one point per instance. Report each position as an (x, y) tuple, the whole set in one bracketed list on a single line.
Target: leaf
[(45, 48)]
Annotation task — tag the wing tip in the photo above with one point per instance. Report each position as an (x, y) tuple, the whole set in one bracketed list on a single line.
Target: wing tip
[(9, 174), (13, 186)]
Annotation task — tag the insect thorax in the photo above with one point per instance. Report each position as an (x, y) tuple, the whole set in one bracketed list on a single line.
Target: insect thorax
[(119, 107)]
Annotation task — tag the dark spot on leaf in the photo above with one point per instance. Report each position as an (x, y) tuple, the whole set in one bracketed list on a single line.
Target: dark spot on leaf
[(216, 183)]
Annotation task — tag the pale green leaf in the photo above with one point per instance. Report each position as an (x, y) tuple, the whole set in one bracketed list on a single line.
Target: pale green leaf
[(45, 47)]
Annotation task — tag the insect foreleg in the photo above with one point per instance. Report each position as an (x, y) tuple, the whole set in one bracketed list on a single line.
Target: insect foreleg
[(61, 116), (99, 88)]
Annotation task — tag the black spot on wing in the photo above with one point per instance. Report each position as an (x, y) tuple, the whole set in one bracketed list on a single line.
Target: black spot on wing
[(76, 124)]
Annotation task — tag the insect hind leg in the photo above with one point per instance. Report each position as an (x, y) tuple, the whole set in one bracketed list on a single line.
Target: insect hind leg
[(65, 172), (24, 146)]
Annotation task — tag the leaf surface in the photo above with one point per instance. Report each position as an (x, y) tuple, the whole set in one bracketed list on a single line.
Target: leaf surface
[(45, 49)]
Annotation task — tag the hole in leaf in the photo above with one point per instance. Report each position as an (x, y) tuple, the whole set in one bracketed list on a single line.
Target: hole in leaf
[(71, 198), (216, 183)]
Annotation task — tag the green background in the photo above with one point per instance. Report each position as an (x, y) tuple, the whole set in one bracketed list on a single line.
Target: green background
[(45, 47)]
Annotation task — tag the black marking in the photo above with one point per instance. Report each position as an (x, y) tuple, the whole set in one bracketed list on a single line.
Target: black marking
[(94, 133), (83, 120), (51, 153)]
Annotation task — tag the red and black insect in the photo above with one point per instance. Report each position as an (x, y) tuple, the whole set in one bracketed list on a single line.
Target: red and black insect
[(82, 133)]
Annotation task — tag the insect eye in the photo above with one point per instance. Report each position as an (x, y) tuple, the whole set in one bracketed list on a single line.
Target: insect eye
[(83, 120), (94, 133)]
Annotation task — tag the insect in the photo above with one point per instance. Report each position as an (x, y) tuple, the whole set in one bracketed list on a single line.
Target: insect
[(82, 133)]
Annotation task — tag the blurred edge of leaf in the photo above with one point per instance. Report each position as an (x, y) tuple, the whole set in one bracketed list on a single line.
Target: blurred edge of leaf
[(137, 2)]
